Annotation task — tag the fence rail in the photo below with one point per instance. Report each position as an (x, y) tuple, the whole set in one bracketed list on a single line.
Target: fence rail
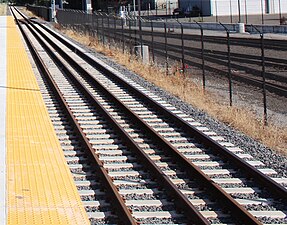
[(192, 45)]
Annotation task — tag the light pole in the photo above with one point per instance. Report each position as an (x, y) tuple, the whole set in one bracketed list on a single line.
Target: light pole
[(230, 9), (201, 10), (216, 17), (262, 16), (139, 8), (165, 10), (280, 11), (246, 15), (239, 14)]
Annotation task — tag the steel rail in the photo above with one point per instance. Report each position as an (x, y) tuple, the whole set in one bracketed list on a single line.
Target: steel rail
[(181, 201), (220, 57), (276, 189), (192, 170), (216, 56), (118, 203), (235, 57), (274, 88), (271, 60), (225, 199), (249, 42)]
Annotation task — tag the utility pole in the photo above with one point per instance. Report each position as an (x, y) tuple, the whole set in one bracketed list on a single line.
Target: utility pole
[(280, 14), (139, 8), (230, 9), (239, 14)]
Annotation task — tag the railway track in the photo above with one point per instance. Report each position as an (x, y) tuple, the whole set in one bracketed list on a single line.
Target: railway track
[(245, 56), (246, 64), (135, 158)]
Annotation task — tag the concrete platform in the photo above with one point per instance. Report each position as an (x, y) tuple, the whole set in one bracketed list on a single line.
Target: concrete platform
[(36, 186)]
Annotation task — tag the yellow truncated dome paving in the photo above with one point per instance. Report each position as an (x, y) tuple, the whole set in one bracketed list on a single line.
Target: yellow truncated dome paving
[(40, 189)]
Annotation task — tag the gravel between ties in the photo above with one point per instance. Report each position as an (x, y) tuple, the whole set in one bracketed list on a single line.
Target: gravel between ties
[(270, 158)]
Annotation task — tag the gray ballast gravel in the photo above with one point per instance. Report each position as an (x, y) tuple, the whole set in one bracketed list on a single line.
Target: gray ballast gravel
[(270, 158)]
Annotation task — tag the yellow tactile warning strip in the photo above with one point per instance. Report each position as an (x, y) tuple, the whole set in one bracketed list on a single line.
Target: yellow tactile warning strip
[(40, 188)]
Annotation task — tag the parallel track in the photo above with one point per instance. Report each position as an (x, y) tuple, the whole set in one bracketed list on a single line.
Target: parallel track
[(246, 66), (166, 169)]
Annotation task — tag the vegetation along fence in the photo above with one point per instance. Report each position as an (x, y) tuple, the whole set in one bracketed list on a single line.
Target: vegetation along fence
[(198, 50)]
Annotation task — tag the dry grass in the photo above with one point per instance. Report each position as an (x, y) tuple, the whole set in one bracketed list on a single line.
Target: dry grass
[(243, 120), (27, 12), (3, 9)]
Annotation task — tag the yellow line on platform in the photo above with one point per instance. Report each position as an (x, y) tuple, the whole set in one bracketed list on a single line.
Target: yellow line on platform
[(40, 189)]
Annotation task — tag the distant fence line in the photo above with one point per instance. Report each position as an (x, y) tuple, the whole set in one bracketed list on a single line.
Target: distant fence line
[(158, 35)]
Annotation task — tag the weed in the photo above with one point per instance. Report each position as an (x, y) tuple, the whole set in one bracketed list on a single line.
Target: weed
[(242, 119)]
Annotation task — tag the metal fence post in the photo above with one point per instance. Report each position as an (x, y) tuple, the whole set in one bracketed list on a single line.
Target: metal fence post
[(202, 54), (182, 48), (97, 22), (135, 33), (140, 34), (165, 47), (228, 63), (109, 38), (123, 40), (263, 74), (103, 31), (115, 27), (152, 40), (92, 26), (130, 36)]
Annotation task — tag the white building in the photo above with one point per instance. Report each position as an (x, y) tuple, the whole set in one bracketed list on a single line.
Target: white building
[(234, 7)]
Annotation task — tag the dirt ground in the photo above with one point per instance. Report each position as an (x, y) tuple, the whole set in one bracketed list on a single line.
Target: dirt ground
[(3, 9)]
